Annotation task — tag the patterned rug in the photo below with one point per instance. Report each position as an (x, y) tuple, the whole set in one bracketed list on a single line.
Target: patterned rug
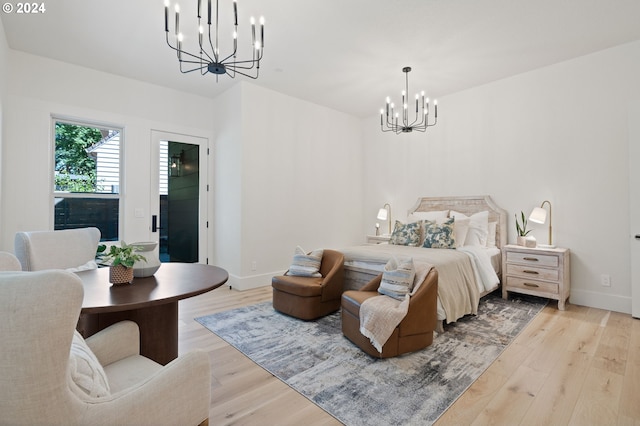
[(315, 359)]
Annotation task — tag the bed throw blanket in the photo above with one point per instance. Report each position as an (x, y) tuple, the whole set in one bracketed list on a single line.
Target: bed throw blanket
[(380, 315)]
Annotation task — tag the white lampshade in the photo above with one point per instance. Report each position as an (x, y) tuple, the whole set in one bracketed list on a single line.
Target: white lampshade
[(538, 215), (382, 214)]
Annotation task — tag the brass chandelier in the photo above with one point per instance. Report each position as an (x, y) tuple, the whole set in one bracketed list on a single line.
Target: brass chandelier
[(395, 123), (209, 59)]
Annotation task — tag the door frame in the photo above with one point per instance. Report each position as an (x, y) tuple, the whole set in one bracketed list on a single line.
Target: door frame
[(203, 201), (634, 205)]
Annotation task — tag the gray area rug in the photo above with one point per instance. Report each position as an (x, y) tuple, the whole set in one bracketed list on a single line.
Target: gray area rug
[(315, 359)]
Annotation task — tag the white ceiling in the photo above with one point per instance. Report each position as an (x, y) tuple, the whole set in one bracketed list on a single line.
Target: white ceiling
[(343, 54)]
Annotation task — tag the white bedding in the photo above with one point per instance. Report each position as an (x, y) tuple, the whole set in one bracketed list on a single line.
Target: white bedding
[(463, 274)]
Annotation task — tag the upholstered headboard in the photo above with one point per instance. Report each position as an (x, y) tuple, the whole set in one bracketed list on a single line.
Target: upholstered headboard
[(468, 205)]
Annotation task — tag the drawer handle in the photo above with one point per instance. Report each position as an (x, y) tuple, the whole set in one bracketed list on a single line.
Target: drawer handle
[(531, 285), (533, 259), (526, 271)]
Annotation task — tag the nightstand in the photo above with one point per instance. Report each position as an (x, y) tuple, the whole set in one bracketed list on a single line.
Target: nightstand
[(378, 239), (543, 272)]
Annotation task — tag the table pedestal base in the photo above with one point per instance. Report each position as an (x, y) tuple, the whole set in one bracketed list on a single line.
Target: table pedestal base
[(158, 328)]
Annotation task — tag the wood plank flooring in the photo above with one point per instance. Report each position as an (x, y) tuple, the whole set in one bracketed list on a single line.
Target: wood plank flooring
[(575, 367)]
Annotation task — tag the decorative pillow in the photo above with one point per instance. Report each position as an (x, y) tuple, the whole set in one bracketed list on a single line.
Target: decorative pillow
[(438, 216), (306, 265), (478, 228), (397, 278), (87, 266), (86, 370), (460, 230), (406, 234), (439, 235)]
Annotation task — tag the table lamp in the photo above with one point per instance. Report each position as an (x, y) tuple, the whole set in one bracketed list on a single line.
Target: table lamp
[(384, 214), (539, 215)]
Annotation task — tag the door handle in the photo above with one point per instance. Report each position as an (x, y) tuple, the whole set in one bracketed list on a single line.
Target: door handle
[(637, 236), (154, 223)]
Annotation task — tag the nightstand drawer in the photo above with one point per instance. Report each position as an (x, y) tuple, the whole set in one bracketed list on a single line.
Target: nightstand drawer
[(533, 259), (532, 285), (531, 272)]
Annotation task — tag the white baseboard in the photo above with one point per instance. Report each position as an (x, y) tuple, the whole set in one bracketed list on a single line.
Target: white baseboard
[(593, 299), (252, 281)]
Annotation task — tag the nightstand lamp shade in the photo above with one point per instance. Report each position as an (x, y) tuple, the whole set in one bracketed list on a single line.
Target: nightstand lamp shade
[(384, 214), (539, 215)]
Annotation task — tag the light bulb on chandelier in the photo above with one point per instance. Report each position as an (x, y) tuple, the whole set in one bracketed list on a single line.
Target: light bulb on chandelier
[(208, 58), (420, 123)]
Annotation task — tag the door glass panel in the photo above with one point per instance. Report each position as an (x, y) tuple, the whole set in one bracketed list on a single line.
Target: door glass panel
[(179, 190)]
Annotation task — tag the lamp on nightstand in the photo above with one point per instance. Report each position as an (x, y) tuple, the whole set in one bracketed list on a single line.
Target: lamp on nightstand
[(384, 214), (539, 215)]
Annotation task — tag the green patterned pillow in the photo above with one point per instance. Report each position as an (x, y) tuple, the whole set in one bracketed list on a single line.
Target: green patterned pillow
[(306, 265), (439, 235), (397, 278), (406, 234)]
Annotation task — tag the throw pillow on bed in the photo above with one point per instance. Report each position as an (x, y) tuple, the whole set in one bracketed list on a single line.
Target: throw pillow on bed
[(306, 265), (406, 234), (397, 278), (439, 235), (478, 227)]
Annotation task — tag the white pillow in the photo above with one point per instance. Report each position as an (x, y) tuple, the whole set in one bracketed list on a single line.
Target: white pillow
[(306, 265), (86, 267), (460, 230), (397, 278), (86, 370), (478, 228), (437, 216)]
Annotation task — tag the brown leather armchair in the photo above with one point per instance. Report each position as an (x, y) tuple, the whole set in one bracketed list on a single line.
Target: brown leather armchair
[(309, 298), (414, 332)]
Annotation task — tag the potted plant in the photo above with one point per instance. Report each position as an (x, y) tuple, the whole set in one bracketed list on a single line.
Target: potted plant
[(523, 233), (121, 260)]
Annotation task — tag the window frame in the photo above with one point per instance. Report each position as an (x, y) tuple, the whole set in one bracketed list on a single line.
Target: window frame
[(93, 195)]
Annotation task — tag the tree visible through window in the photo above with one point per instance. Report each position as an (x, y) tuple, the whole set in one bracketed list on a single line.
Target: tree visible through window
[(87, 177)]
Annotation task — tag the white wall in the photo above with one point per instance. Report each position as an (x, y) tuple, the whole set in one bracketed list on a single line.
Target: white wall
[(288, 173), (557, 133), (32, 96), (279, 178)]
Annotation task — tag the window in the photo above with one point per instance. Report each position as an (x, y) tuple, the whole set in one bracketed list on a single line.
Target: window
[(87, 177)]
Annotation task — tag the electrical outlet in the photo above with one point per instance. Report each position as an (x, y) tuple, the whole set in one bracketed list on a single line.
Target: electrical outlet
[(254, 265), (605, 280)]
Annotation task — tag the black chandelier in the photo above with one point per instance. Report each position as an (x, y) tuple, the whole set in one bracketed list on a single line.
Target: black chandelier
[(394, 123), (209, 58)]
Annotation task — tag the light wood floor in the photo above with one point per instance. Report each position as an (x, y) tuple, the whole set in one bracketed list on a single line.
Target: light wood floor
[(575, 367)]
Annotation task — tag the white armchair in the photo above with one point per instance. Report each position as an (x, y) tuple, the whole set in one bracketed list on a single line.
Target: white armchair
[(66, 249), (49, 376), (9, 262)]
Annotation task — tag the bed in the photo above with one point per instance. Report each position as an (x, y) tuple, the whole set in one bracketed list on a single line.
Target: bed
[(465, 274)]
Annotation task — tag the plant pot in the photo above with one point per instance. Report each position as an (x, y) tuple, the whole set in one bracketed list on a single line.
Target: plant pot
[(120, 275), (530, 241), (522, 240), (148, 268)]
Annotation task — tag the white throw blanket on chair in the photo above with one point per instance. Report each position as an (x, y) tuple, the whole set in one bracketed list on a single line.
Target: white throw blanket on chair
[(380, 315)]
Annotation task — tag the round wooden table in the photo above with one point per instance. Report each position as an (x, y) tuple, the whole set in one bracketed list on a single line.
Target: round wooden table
[(151, 302)]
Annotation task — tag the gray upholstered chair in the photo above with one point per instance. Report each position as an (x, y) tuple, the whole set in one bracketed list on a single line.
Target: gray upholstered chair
[(9, 262), (66, 249), (50, 375)]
